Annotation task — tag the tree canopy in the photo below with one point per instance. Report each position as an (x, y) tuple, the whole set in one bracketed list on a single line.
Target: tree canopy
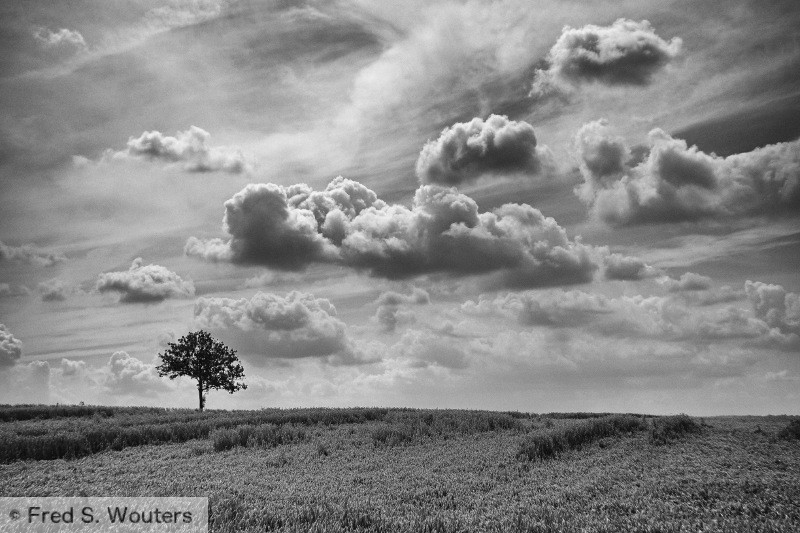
[(200, 356)]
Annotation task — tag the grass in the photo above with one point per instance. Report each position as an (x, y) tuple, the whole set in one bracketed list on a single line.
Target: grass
[(552, 442), (459, 471)]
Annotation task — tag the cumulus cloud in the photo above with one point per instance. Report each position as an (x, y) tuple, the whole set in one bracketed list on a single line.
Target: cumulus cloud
[(557, 308), (625, 53), (687, 282), (442, 231), (9, 291), (422, 349), (772, 304), (468, 150), (54, 290), (10, 348), (271, 326), (623, 267), (672, 182), (70, 367), (418, 297), (29, 254), (189, 148), (60, 38), (391, 312), (127, 375), (653, 317), (145, 283)]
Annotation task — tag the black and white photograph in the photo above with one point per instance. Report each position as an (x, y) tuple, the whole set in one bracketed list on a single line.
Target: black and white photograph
[(408, 266)]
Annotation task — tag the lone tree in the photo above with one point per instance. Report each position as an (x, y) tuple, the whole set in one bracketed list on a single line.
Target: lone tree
[(200, 356)]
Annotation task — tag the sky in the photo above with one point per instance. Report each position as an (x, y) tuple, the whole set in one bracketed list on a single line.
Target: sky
[(539, 206)]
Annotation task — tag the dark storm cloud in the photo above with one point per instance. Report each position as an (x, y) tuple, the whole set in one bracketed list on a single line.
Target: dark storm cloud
[(189, 148), (10, 348), (29, 254), (273, 326), (625, 53), (145, 283), (442, 231), (675, 182), (468, 150)]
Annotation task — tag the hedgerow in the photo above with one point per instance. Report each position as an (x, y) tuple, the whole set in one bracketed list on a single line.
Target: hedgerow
[(668, 428), (552, 442)]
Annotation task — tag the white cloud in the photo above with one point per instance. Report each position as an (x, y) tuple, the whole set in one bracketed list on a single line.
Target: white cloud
[(189, 148), (9, 291), (140, 283), (625, 53), (10, 347), (127, 375), (688, 281), (466, 151), (29, 254), (60, 38), (672, 182), (54, 290), (772, 304), (650, 317), (443, 231), (391, 311), (271, 326)]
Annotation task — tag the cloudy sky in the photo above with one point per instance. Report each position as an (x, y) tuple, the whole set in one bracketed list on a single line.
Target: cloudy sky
[(539, 206)]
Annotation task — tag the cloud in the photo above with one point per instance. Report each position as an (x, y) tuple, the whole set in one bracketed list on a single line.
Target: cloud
[(622, 267), (671, 182), (557, 308), (10, 348), (189, 148), (418, 296), (7, 291), (26, 383), (390, 314), (687, 282), (72, 368), (29, 254), (179, 13), (271, 326), (625, 53), (61, 38), (442, 231), (649, 317), (54, 290), (772, 304), (150, 283), (424, 349), (127, 375), (468, 150)]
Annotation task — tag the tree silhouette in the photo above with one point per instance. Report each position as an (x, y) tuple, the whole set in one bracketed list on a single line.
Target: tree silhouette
[(199, 356)]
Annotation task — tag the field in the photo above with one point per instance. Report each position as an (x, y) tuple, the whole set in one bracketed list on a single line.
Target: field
[(410, 470)]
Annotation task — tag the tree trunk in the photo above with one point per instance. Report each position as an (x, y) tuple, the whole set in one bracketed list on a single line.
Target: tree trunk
[(200, 394)]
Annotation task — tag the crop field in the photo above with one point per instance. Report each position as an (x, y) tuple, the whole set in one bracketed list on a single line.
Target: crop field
[(418, 470)]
